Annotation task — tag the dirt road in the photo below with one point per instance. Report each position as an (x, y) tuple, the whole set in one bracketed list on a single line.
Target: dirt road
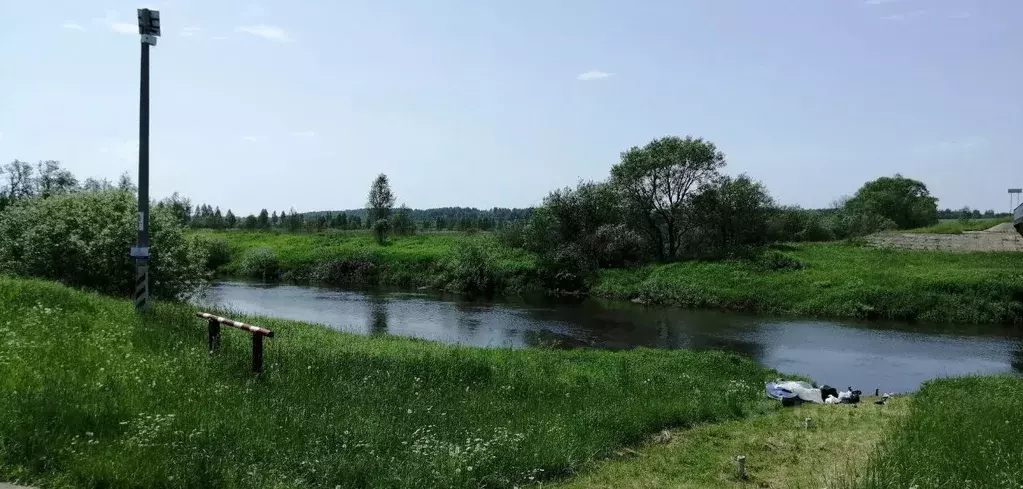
[(994, 239)]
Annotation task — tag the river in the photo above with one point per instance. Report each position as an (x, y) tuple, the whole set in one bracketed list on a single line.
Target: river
[(893, 357)]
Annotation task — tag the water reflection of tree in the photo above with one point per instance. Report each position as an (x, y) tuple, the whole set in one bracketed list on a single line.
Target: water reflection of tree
[(622, 325), (378, 317), (468, 320)]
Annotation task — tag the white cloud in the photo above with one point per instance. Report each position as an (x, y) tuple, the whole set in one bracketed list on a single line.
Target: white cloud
[(270, 32), (112, 21), (124, 151), (218, 38), (254, 11), (250, 139), (593, 75), (965, 144), (304, 134), (73, 26), (904, 15), (190, 31), (124, 28)]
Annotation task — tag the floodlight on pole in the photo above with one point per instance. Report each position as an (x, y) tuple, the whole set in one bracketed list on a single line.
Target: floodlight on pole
[(149, 29), (1012, 202)]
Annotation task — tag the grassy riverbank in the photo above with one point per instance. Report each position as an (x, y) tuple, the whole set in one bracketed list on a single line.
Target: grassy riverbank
[(814, 279), (355, 257), (837, 280), (780, 452), (962, 433), (94, 396)]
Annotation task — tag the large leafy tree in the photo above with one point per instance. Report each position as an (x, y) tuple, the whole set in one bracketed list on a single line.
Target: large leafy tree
[(729, 217), (54, 180), (378, 208), (381, 199), (905, 201), (658, 181), (263, 221), (402, 222)]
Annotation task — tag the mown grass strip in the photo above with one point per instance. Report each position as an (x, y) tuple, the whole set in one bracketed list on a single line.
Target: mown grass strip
[(780, 451)]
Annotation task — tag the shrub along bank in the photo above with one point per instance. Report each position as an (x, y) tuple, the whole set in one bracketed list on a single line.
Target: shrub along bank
[(457, 262), (82, 239), (95, 395)]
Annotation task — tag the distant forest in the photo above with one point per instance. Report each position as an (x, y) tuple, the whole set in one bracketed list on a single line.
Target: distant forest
[(450, 214), (440, 218)]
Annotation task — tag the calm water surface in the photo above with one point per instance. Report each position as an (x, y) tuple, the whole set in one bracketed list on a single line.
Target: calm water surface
[(891, 356)]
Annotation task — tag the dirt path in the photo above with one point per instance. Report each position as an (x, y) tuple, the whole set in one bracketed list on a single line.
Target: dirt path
[(970, 241)]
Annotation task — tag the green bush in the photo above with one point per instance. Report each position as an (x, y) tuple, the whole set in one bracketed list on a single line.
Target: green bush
[(361, 269), (513, 235), (470, 270), (566, 270), (380, 229), (83, 240), (218, 251), (854, 224), (776, 260), (616, 245), (261, 263)]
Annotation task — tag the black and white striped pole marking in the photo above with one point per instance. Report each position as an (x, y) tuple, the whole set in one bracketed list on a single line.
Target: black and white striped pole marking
[(149, 29)]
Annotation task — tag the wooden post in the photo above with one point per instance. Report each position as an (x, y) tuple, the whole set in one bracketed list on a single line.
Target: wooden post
[(214, 335), (740, 467), (257, 353)]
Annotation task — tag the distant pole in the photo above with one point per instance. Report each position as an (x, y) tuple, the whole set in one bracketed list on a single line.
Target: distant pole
[(1012, 202), (149, 29)]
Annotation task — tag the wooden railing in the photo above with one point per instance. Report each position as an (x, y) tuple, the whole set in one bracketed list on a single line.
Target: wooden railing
[(258, 333)]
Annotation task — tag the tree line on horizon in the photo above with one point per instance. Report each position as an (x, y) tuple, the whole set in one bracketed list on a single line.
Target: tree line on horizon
[(668, 200), (20, 179), (664, 201)]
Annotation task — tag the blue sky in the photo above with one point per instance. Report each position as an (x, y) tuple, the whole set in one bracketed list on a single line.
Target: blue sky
[(485, 103)]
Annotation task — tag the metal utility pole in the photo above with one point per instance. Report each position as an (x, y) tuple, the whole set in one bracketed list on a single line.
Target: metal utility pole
[(149, 29)]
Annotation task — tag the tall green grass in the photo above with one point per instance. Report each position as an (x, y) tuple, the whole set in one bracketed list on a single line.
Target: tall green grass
[(959, 227), (963, 433), (94, 395), (837, 280)]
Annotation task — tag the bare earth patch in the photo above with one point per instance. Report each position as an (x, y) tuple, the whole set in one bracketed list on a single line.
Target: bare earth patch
[(966, 242)]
